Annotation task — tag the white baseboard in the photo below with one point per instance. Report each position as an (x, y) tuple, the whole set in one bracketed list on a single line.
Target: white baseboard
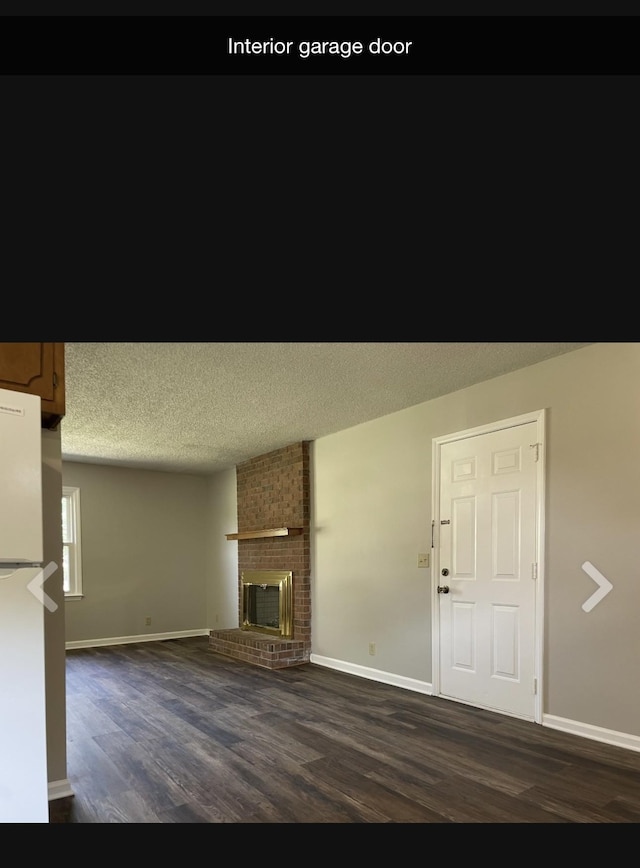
[(373, 674), (596, 733), (608, 736), (129, 640), (59, 790)]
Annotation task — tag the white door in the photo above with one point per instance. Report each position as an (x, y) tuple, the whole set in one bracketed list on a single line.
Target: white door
[(487, 595)]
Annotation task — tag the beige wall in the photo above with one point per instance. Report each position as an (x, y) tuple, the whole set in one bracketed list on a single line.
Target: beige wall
[(54, 627), (222, 573), (371, 491), (144, 552)]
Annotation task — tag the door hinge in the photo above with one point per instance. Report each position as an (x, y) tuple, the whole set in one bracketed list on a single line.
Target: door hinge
[(55, 380), (535, 446), (535, 686), (432, 526), (534, 571)]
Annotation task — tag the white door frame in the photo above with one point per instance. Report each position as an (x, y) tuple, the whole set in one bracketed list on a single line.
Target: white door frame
[(539, 416)]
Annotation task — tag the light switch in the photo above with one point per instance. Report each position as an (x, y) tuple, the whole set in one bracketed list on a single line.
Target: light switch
[(423, 559)]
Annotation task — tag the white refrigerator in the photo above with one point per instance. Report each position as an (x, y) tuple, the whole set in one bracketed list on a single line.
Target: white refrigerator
[(23, 741)]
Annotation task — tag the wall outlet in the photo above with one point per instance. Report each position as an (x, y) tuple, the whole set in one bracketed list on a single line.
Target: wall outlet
[(423, 559), (372, 648), (147, 621)]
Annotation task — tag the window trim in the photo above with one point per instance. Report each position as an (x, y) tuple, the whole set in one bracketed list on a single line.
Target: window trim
[(72, 494)]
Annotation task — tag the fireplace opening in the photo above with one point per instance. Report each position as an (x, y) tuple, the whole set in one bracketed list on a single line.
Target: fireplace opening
[(267, 602)]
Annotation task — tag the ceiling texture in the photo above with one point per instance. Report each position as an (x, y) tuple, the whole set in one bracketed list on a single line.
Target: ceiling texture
[(201, 408)]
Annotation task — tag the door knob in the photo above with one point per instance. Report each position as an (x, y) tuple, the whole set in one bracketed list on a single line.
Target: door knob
[(443, 589)]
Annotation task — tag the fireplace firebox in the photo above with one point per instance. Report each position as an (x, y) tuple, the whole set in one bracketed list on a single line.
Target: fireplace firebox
[(267, 602)]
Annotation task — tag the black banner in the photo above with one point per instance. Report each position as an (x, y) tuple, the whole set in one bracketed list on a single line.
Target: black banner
[(280, 44)]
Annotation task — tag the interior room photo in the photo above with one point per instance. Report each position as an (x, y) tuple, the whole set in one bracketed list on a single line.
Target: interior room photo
[(321, 582)]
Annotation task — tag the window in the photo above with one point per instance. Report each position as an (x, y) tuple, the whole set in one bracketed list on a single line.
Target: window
[(71, 560)]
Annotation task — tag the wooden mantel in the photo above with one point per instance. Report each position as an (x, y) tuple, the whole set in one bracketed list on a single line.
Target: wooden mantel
[(262, 534)]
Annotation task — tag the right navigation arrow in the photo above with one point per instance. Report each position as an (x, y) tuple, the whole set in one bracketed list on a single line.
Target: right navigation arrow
[(604, 586)]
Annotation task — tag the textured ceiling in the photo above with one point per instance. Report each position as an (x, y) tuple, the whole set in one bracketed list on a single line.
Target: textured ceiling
[(205, 407)]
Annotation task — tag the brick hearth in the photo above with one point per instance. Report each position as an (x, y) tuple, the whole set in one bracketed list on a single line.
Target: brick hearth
[(259, 649), (273, 491)]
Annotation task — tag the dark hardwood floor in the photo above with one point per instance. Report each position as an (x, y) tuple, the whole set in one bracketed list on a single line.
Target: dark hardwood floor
[(170, 732)]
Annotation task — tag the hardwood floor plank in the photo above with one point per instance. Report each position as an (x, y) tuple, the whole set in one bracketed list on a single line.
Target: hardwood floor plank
[(92, 773), (170, 732), (469, 801), (387, 804), (566, 802), (622, 811)]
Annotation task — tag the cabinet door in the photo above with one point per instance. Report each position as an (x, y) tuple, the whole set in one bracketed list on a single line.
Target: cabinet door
[(36, 368)]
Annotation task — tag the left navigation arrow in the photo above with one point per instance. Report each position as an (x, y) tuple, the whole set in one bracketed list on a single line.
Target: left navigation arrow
[(36, 583)]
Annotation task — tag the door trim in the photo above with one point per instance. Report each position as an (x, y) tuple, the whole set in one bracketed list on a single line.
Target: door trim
[(539, 417)]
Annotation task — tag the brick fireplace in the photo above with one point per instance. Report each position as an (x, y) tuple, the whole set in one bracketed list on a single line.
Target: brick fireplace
[(273, 494)]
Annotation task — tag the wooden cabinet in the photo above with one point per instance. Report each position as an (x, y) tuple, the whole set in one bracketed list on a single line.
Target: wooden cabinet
[(36, 368)]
